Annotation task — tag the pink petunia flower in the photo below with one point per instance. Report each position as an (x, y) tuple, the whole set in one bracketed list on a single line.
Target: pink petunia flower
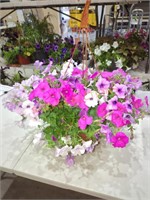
[(84, 121), (52, 97), (112, 103), (67, 90), (120, 90), (102, 85), (137, 103), (119, 140), (117, 119), (39, 91), (101, 110), (106, 75)]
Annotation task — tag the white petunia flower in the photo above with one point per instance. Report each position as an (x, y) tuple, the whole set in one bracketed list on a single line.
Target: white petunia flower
[(97, 51), (66, 140), (37, 138), (35, 122), (63, 151), (54, 72), (67, 69), (119, 63), (108, 62), (27, 108), (115, 44), (105, 47), (78, 150), (91, 99), (87, 144)]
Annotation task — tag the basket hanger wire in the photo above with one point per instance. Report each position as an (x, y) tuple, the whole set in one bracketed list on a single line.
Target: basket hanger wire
[(83, 30)]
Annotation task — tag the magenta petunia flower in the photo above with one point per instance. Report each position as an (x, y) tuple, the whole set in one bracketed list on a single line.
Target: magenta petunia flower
[(119, 140), (101, 110), (94, 75), (121, 107), (72, 100), (79, 98), (117, 119), (102, 85), (137, 103), (120, 90), (77, 72), (67, 90), (39, 91), (84, 121), (52, 97), (106, 75)]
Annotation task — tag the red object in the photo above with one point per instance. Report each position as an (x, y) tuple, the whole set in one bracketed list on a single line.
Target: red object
[(23, 60)]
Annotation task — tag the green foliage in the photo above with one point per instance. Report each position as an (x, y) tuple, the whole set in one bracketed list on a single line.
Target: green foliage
[(132, 45), (35, 30), (62, 121), (11, 55)]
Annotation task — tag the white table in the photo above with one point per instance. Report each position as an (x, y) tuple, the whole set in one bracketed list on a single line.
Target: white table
[(108, 173), (13, 140)]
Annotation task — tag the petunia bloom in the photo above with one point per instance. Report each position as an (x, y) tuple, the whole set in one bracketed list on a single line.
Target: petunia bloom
[(52, 97), (119, 140), (91, 99), (117, 119), (84, 121), (102, 85), (101, 110), (120, 90)]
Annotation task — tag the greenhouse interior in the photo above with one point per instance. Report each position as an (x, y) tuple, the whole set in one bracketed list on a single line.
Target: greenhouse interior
[(75, 99)]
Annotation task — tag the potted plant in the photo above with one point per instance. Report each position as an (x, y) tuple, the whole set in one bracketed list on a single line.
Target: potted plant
[(75, 108)]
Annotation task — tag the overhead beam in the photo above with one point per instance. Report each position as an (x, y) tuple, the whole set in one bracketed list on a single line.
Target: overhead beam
[(57, 3)]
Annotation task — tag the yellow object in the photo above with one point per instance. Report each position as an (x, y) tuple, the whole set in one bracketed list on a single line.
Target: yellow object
[(78, 14)]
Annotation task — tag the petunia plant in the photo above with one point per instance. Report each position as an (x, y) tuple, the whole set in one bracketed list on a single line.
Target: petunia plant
[(112, 53), (75, 107)]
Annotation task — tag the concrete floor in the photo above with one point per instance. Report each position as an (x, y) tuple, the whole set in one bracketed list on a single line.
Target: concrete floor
[(13, 187)]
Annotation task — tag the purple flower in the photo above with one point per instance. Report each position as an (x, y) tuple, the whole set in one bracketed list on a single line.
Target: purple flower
[(70, 160), (146, 101), (128, 119), (55, 47), (128, 106), (37, 46), (54, 138), (97, 135), (84, 121), (120, 90), (102, 85), (10, 106), (107, 131), (64, 50)]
